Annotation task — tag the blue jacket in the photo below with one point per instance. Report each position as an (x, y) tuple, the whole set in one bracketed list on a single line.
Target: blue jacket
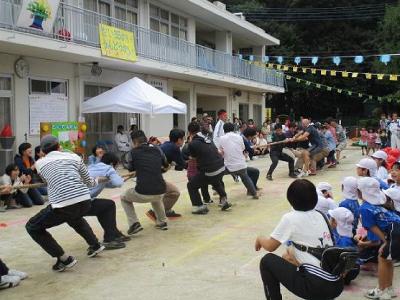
[(101, 169)]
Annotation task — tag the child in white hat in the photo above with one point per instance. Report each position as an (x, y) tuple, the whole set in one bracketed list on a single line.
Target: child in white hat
[(350, 194), (393, 195), (367, 167), (380, 158), (325, 195), (381, 222)]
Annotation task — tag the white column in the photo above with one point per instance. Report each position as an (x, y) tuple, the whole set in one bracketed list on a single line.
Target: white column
[(258, 52), (144, 13), (223, 41)]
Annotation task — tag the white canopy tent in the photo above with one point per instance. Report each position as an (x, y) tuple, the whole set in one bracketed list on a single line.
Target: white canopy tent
[(134, 96)]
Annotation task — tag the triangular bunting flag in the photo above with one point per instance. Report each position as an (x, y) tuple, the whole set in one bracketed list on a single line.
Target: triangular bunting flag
[(349, 93), (380, 76), (345, 74), (393, 77), (278, 67), (359, 95), (329, 88), (368, 76), (323, 72), (295, 69), (288, 77), (314, 71), (333, 73), (304, 70), (285, 68), (354, 75), (339, 91), (318, 86), (308, 83), (298, 80), (270, 66), (370, 97)]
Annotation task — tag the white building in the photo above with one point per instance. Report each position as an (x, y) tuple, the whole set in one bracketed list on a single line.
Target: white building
[(184, 47)]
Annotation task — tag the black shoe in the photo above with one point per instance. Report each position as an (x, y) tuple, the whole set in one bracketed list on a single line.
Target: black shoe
[(208, 201), (225, 205), (269, 177), (61, 266), (172, 214), (162, 226), (123, 238), (114, 245), (92, 251), (202, 210), (292, 175), (135, 228)]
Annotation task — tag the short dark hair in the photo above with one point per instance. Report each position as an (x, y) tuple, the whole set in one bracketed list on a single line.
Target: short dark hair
[(51, 148), (229, 127), (37, 149), (277, 126), (176, 134), (302, 195), (10, 168), (95, 148), (139, 137), (396, 165), (120, 127), (194, 127), (110, 158), (23, 147), (249, 132)]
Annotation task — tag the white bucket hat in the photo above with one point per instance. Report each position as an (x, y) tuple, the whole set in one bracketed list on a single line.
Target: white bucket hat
[(380, 155), (370, 191), (350, 188), (369, 164), (394, 194), (344, 219)]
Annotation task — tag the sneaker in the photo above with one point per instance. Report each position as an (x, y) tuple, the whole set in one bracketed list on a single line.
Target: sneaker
[(172, 214), (236, 178), (255, 197), (114, 245), (225, 205), (92, 251), (376, 293), (3, 208), (162, 226), (200, 210), (8, 281), (269, 177), (391, 292), (135, 228), (123, 238), (21, 275), (302, 174), (61, 266), (152, 216)]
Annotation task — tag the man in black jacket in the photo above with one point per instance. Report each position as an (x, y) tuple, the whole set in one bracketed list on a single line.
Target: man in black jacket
[(211, 170), (147, 161), (277, 154)]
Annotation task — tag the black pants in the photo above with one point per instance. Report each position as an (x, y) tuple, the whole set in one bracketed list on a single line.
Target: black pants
[(201, 180), (275, 271), (105, 211), (3, 269), (49, 217), (276, 157)]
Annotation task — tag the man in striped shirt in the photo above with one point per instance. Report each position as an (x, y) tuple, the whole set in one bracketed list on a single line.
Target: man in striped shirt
[(68, 183)]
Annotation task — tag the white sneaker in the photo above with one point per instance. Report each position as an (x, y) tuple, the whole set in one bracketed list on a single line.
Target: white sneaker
[(8, 281), (376, 293), (302, 174), (21, 275), (396, 263), (391, 292)]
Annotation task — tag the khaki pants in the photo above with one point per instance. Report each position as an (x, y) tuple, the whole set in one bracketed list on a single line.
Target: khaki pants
[(130, 196), (171, 196)]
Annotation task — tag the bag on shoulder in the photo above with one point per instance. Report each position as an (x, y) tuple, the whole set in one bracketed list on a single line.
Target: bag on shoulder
[(334, 260)]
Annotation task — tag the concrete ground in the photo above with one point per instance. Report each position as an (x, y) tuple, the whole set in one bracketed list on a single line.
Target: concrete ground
[(199, 257)]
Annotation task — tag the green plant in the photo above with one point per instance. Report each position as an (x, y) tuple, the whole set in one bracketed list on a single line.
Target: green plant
[(40, 8)]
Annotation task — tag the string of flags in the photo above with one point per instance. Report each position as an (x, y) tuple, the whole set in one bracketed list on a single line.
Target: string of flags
[(337, 60), (337, 90), (328, 72)]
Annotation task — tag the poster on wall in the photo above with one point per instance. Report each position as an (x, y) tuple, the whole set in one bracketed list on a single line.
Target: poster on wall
[(71, 135), (46, 108), (117, 43), (38, 14)]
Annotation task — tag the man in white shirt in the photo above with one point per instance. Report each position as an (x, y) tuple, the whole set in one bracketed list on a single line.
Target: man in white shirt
[(394, 128), (232, 146), (122, 140), (219, 128)]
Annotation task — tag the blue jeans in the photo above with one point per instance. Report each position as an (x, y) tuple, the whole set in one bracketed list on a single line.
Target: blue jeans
[(249, 178), (30, 198)]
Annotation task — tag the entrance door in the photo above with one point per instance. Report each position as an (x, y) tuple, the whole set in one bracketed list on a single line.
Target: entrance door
[(257, 111), (244, 112)]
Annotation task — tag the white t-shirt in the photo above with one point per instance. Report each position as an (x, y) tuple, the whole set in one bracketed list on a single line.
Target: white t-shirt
[(305, 228), (233, 146), (325, 204), (382, 173), (218, 132)]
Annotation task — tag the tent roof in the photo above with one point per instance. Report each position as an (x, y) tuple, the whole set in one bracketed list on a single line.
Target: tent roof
[(134, 96)]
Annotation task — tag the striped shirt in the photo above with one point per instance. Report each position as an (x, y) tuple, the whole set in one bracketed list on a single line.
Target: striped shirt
[(67, 178)]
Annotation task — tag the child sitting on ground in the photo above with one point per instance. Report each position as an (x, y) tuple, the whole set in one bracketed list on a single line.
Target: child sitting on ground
[(386, 225), (350, 194), (325, 198), (341, 221)]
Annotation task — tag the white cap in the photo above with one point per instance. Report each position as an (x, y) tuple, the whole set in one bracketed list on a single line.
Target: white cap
[(393, 193), (369, 164), (380, 155), (350, 188), (370, 191), (324, 186), (344, 219)]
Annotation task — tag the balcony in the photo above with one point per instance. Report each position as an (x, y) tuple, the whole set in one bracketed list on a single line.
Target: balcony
[(79, 26)]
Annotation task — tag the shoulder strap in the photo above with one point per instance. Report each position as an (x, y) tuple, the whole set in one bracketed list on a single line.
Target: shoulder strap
[(329, 227)]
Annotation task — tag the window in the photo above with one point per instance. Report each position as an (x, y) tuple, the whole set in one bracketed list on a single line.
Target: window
[(124, 10), (47, 87), (244, 111), (165, 22), (5, 101)]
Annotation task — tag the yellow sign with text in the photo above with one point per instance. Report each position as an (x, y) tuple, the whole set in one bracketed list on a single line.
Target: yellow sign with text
[(117, 43)]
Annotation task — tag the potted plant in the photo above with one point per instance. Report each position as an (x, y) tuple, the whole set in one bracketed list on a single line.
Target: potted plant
[(41, 11), (6, 137)]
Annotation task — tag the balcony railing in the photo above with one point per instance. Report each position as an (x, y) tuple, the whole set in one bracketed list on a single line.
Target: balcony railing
[(80, 26)]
